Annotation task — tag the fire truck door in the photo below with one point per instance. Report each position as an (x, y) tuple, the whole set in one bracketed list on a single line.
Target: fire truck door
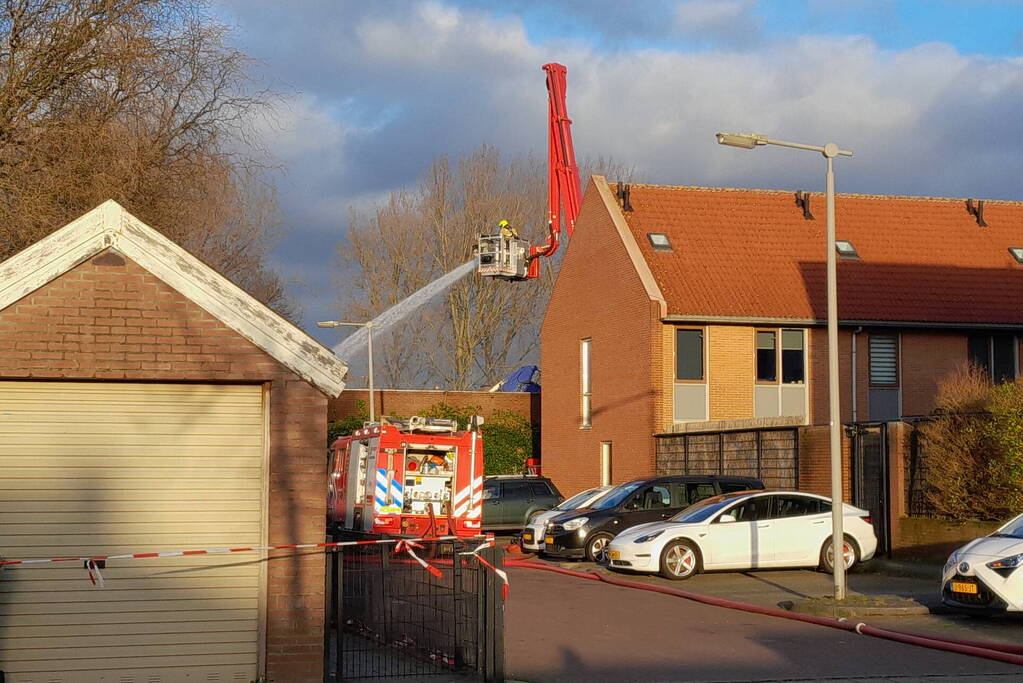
[(363, 468)]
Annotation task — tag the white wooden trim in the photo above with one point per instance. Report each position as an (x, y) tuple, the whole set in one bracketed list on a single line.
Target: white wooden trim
[(110, 226)]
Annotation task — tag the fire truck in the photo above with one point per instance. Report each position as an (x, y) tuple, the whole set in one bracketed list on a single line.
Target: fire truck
[(421, 477)]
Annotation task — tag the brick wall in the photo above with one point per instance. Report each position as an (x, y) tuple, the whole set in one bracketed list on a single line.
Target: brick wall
[(815, 461), (599, 295), (110, 319), (405, 403), (732, 371), (926, 358)]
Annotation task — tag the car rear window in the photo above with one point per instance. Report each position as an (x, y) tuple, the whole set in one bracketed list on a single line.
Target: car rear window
[(540, 488)]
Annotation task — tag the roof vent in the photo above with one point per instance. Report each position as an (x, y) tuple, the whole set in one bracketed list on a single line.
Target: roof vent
[(803, 202), (846, 249), (623, 196), (1017, 253), (977, 211), (659, 241)]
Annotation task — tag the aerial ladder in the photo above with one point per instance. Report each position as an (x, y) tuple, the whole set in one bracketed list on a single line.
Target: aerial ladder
[(506, 256)]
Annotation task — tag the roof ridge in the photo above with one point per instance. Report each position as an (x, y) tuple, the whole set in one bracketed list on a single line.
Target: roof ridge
[(854, 195)]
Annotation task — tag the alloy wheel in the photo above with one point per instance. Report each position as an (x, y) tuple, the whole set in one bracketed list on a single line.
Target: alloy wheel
[(848, 555), (680, 560)]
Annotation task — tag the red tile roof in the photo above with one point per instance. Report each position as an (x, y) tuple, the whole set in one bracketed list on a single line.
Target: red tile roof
[(751, 254)]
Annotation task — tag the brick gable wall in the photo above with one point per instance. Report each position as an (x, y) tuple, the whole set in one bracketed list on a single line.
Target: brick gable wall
[(599, 295), (109, 319)]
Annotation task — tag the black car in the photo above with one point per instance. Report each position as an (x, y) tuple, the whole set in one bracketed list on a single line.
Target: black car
[(509, 500), (586, 532)]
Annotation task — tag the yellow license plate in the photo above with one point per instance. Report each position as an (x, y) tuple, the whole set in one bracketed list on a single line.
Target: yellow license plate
[(549, 539), (614, 555), (964, 587), (528, 537)]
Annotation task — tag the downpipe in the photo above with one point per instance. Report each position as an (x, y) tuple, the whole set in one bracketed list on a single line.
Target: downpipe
[(1010, 654)]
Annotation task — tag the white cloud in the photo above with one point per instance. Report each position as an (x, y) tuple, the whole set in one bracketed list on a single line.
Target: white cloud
[(729, 22)]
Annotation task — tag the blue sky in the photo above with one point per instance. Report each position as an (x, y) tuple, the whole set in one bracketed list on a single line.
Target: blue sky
[(929, 94)]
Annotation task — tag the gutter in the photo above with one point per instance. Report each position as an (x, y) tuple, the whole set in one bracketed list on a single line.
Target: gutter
[(852, 322), (853, 383)]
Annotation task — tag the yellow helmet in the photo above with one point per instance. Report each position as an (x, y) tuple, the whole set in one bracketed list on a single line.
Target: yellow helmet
[(503, 224)]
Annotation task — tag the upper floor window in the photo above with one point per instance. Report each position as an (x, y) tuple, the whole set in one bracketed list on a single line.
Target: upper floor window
[(996, 354), (884, 360), (792, 356), (689, 354)]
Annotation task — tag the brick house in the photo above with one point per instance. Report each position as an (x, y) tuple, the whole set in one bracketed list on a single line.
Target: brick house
[(148, 404), (685, 309)]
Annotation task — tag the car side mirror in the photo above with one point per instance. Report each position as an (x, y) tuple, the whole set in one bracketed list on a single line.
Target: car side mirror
[(727, 518)]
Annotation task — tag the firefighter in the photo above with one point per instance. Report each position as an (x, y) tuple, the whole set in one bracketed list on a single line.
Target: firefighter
[(506, 231)]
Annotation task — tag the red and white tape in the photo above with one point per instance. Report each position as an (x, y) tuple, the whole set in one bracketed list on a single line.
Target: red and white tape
[(501, 574)]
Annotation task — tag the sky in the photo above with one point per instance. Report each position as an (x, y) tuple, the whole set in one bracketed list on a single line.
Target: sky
[(928, 94)]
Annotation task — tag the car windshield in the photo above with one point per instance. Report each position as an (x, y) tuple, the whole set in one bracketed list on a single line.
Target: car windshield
[(616, 495), (577, 500), (704, 510), (1013, 529)]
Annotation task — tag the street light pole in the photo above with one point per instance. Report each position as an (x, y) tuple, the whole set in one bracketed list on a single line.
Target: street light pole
[(829, 151), (369, 349)]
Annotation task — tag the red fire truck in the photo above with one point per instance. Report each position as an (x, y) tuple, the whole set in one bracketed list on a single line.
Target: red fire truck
[(420, 477)]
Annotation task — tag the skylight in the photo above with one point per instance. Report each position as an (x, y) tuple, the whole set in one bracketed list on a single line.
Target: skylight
[(659, 241), (845, 249), (1017, 253)]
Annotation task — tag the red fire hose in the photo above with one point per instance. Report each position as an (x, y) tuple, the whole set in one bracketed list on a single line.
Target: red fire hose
[(1011, 654)]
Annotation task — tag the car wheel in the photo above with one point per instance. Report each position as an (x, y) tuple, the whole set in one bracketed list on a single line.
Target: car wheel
[(680, 560), (849, 551), (596, 547)]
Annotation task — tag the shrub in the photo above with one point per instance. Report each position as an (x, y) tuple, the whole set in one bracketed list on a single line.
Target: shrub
[(974, 447), (347, 425)]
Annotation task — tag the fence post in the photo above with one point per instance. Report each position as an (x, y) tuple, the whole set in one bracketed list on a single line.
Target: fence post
[(760, 455), (493, 671), (339, 611)]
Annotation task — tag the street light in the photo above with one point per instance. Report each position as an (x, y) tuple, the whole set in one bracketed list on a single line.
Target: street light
[(369, 343), (830, 151)]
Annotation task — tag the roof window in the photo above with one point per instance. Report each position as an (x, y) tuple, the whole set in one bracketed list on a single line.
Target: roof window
[(846, 249), (1017, 253), (659, 241)]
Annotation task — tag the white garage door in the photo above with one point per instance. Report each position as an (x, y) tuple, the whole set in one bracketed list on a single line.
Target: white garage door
[(101, 468)]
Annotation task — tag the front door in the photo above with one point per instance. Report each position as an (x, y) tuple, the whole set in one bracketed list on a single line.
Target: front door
[(744, 542)]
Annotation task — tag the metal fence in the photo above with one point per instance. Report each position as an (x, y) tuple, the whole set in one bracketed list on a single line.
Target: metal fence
[(388, 617), (771, 455)]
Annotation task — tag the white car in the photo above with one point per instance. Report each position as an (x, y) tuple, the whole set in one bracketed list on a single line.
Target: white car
[(743, 530), (986, 574), (532, 535)]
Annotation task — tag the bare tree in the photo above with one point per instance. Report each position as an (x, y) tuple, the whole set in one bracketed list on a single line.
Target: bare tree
[(480, 328), (142, 101)]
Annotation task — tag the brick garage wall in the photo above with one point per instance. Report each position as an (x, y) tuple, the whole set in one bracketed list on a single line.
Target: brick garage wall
[(599, 295), (815, 461), (109, 319), (926, 359), (406, 403)]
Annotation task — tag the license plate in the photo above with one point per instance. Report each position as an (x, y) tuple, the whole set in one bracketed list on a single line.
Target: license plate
[(527, 537), (614, 555), (964, 587), (549, 540)]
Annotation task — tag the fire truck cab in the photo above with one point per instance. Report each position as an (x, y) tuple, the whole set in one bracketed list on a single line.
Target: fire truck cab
[(420, 477)]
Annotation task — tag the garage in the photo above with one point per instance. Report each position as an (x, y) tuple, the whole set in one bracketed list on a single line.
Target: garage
[(149, 405)]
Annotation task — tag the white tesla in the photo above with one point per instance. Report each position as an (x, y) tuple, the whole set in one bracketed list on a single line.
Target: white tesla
[(531, 539), (744, 530), (986, 574)]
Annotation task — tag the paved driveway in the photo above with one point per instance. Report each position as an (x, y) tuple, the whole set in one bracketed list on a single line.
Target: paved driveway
[(566, 629)]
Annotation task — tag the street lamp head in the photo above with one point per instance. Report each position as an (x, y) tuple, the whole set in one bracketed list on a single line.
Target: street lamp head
[(743, 140), (327, 323)]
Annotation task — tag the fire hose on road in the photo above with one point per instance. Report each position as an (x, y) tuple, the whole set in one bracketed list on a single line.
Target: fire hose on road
[(1010, 654)]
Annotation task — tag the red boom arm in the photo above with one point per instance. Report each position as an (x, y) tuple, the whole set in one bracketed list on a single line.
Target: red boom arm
[(563, 183)]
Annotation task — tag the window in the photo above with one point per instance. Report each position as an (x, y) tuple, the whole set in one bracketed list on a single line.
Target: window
[(846, 249), (515, 490), (795, 506), (540, 488), (659, 241), (584, 373), (689, 355), (792, 357), (793, 366), (884, 360), (731, 487), (492, 491), (767, 361), (750, 511), (995, 353)]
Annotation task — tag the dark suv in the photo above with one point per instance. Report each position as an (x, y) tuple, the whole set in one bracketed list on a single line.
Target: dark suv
[(586, 532), (509, 500)]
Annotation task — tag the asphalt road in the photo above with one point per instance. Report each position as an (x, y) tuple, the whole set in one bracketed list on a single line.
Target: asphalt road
[(560, 628)]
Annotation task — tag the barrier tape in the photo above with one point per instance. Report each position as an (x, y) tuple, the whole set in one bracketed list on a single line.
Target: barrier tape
[(501, 574), (90, 562)]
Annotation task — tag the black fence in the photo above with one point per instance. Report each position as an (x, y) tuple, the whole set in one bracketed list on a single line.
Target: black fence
[(388, 617), (771, 455)]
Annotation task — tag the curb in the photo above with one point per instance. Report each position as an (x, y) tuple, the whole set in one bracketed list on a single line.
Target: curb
[(814, 607)]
